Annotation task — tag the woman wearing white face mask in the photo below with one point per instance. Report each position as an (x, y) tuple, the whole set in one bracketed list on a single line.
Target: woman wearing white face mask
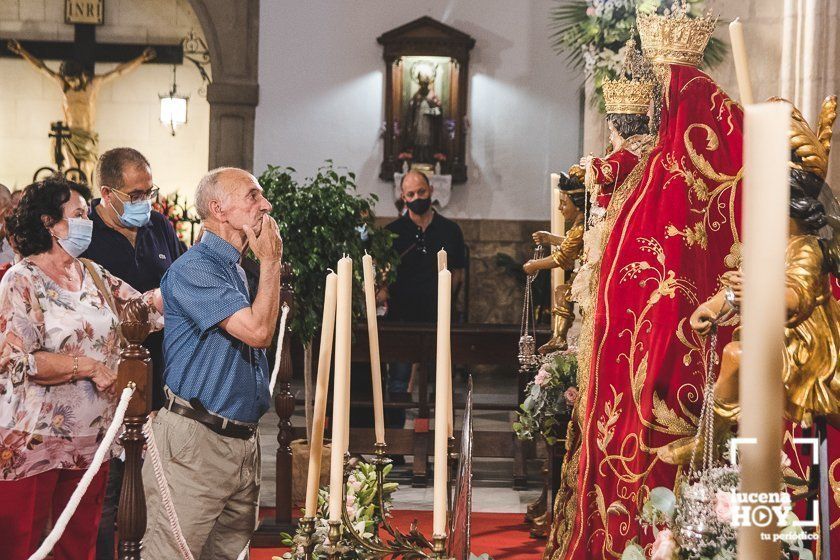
[(59, 348)]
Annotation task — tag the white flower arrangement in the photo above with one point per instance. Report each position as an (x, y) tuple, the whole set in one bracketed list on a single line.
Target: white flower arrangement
[(362, 509)]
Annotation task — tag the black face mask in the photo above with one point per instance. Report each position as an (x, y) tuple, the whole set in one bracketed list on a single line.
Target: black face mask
[(420, 205)]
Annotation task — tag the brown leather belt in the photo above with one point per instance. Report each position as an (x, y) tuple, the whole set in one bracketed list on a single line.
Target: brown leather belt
[(220, 425)]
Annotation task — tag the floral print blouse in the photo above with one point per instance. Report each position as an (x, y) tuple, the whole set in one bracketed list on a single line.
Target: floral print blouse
[(60, 426)]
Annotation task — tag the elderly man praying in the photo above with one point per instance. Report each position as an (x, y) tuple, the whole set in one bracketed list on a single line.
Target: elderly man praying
[(216, 373)]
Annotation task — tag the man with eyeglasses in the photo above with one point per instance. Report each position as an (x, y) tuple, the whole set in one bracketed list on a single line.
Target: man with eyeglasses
[(137, 244)]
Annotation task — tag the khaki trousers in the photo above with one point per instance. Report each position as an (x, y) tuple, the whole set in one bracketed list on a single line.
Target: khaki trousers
[(215, 486)]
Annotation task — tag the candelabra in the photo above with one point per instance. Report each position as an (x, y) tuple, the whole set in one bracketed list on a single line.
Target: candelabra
[(396, 544)]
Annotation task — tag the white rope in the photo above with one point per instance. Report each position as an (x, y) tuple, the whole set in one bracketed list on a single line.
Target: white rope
[(163, 489), (84, 483), (280, 338), (166, 497)]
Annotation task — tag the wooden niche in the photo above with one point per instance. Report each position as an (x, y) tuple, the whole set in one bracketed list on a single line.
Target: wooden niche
[(426, 81)]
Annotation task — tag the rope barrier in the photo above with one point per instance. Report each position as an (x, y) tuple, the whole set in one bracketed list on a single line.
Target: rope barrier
[(280, 338), (163, 489), (152, 451), (84, 483)]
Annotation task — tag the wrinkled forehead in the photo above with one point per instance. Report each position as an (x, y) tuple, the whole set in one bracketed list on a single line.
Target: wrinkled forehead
[(237, 182)]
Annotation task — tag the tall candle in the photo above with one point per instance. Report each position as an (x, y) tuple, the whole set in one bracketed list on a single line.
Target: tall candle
[(341, 391), (788, 38), (348, 344), (441, 256), (441, 407), (313, 478), (373, 338), (763, 312), (800, 30), (739, 54), (443, 265), (809, 60), (558, 227)]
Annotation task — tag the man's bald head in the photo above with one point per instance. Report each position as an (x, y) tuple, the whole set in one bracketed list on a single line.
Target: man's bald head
[(228, 199), (217, 186), (416, 192), (414, 178)]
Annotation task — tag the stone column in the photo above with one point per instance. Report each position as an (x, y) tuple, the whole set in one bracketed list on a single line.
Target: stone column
[(231, 30)]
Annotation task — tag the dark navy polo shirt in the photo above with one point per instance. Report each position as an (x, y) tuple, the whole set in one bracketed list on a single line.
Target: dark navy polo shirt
[(142, 265), (413, 296)]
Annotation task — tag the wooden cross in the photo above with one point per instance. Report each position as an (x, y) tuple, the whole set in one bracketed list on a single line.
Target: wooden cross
[(87, 52)]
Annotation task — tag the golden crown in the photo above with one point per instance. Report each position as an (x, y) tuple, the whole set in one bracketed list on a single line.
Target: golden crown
[(675, 37), (627, 97)]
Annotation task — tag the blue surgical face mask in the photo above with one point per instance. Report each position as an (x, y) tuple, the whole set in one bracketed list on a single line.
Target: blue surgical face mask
[(135, 214), (79, 233)]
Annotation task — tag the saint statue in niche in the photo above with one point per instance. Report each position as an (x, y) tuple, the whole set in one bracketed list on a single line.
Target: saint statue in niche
[(424, 115), (79, 89)]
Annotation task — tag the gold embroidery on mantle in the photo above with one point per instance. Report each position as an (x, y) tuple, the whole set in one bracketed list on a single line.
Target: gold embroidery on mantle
[(710, 203), (565, 506), (667, 285)]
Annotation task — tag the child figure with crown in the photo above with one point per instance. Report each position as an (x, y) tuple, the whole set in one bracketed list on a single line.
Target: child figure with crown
[(671, 241)]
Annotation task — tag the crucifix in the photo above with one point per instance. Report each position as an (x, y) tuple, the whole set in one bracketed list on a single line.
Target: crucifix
[(77, 78)]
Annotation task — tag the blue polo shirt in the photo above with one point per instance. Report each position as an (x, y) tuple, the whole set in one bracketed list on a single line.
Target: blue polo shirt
[(200, 289)]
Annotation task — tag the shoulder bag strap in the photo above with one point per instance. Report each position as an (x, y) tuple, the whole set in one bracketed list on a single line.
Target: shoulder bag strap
[(106, 293)]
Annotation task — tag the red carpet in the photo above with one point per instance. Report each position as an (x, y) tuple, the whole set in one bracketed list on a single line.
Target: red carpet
[(503, 536)]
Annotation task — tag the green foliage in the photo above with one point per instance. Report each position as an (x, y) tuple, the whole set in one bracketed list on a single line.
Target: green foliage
[(549, 395), (592, 34), (362, 509), (321, 220)]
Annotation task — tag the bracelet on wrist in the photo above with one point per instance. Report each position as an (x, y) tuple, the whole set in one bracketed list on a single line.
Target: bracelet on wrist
[(75, 373)]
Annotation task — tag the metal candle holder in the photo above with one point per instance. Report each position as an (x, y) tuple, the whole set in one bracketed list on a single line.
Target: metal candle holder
[(335, 549), (411, 545), (304, 539)]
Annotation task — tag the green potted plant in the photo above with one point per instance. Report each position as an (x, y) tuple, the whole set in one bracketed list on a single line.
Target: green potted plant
[(321, 219)]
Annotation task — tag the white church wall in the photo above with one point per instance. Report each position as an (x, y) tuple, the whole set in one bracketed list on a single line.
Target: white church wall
[(127, 108), (322, 87)]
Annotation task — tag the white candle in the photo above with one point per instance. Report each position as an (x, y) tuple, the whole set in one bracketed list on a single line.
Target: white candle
[(788, 39), (441, 256), (313, 477), (442, 265), (763, 311), (341, 391), (800, 30), (739, 55), (442, 410), (558, 227), (809, 60), (373, 338)]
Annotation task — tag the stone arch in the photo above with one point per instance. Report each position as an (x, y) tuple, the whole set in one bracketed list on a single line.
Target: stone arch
[(231, 30)]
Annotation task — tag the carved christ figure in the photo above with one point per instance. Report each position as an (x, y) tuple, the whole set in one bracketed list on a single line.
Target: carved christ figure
[(80, 89)]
